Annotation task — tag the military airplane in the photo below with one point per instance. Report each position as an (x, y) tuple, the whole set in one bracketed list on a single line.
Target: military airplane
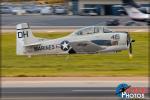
[(87, 40), (134, 11), (138, 6)]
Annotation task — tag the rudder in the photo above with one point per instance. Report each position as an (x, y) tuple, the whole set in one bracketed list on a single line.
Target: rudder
[(24, 37)]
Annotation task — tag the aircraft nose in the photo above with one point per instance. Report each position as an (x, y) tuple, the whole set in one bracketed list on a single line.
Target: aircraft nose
[(129, 44), (128, 38)]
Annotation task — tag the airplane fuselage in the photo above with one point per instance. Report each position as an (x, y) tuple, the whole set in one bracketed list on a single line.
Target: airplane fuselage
[(91, 43)]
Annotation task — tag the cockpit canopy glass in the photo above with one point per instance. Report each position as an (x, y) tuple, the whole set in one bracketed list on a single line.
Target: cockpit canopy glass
[(92, 30), (106, 30)]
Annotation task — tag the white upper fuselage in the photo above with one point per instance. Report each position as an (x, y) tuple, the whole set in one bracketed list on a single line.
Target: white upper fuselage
[(92, 39), (82, 43)]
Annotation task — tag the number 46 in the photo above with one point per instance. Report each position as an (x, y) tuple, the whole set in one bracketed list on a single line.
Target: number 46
[(115, 37)]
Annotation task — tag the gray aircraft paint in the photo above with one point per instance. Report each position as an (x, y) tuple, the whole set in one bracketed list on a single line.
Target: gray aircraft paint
[(80, 41)]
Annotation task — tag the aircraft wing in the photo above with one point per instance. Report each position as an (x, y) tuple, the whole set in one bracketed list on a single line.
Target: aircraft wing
[(85, 47), (134, 13)]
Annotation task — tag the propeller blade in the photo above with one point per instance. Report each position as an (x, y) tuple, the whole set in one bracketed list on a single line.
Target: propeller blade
[(130, 50), (129, 43)]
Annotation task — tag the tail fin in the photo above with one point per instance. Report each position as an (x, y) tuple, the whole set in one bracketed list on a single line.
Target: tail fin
[(136, 14), (131, 3), (133, 12), (24, 37)]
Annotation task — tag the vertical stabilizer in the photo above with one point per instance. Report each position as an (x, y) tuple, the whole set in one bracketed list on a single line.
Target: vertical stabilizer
[(24, 37)]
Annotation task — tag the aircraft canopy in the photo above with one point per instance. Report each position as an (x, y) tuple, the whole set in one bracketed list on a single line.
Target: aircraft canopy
[(92, 30)]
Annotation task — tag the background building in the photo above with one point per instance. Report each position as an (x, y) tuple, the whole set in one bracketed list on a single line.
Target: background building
[(102, 7)]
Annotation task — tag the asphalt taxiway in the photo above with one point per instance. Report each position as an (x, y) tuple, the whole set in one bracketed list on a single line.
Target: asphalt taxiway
[(66, 88), (61, 20), (60, 93), (53, 92), (61, 23)]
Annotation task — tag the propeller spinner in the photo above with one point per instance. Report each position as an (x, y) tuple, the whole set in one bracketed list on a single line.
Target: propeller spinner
[(129, 43)]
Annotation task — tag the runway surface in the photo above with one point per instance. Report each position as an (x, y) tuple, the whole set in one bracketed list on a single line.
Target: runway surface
[(40, 93), (56, 20), (58, 92), (56, 23), (83, 88)]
